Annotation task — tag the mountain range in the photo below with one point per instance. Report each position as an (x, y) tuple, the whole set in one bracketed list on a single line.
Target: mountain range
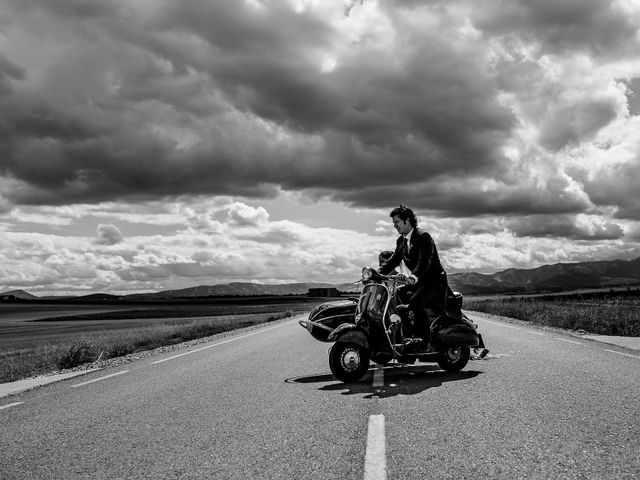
[(557, 277)]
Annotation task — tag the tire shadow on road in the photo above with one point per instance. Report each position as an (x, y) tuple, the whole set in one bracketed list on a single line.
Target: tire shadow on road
[(402, 380)]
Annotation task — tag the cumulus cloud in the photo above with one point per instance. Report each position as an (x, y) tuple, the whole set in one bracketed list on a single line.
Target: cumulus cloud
[(275, 251), (241, 214), (109, 235)]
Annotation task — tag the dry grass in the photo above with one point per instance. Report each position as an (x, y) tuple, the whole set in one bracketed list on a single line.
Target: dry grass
[(33, 359), (602, 316)]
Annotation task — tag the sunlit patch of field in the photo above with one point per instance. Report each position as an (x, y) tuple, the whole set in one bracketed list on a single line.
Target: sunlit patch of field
[(33, 359), (51, 343)]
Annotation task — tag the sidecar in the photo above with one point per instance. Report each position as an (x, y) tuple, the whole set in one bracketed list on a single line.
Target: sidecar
[(325, 318)]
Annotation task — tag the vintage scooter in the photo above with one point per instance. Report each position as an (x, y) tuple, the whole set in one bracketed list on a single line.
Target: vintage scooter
[(377, 327)]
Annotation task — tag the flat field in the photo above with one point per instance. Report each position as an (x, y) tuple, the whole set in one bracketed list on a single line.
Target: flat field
[(37, 323), (37, 338), (601, 313)]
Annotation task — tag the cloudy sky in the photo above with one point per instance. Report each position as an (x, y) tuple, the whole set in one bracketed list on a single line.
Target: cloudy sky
[(155, 144)]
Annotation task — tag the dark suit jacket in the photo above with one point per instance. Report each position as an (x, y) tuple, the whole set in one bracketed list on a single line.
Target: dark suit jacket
[(424, 263), (423, 259)]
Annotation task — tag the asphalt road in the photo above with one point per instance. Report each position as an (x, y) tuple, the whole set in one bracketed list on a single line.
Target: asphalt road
[(262, 404)]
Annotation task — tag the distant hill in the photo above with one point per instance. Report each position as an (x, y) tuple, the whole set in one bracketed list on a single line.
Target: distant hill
[(21, 294), (240, 289), (100, 297), (557, 277)]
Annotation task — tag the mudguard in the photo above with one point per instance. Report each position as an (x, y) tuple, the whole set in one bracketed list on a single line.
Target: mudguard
[(350, 333), (457, 336), (452, 332)]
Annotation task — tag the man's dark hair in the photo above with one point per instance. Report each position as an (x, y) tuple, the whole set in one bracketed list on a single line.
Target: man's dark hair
[(405, 213)]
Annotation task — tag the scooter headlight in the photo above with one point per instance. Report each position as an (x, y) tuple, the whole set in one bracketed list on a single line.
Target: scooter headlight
[(366, 274)]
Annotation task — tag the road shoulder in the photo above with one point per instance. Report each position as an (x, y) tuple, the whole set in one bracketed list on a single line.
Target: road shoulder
[(632, 343)]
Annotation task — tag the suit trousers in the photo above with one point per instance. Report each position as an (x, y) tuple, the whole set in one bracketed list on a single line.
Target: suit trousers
[(427, 302)]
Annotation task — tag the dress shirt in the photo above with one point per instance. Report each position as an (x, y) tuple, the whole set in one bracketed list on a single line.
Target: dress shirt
[(408, 240)]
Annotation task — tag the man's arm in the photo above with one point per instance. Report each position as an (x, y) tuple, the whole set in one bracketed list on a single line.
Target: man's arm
[(426, 248), (393, 261)]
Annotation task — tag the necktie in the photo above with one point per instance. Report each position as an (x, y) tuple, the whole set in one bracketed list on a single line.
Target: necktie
[(405, 247)]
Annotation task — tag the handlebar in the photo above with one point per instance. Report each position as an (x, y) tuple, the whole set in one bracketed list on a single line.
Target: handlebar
[(371, 274)]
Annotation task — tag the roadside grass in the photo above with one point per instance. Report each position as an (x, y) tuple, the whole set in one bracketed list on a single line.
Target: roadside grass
[(596, 316), (34, 359)]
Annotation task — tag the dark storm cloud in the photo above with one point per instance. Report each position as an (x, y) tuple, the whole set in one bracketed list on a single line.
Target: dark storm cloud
[(570, 124), (460, 197), (633, 96), (618, 187), (564, 226), (108, 120), (595, 26), (9, 73), (70, 9), (230, 98)]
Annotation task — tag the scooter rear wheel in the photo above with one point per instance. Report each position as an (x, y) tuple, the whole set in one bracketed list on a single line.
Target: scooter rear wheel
[(348, 361), (454, 359)]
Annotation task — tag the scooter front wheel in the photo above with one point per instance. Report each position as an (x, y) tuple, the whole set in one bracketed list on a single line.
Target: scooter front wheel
[(454, 359), (348, 361)]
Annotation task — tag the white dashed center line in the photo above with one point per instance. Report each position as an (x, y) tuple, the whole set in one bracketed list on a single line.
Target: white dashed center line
[(378, 377), (10, 405), (375, 462), (98, 379)]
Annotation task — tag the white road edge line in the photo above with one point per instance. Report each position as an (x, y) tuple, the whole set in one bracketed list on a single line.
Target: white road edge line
[(221, 343), (570, 341), (98, 379), (375, 462), (10, 405), (500, 324), (515, 328), (620, 353), (378, 377)]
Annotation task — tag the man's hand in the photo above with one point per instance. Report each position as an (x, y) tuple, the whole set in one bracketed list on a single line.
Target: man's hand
[(411, 279), (399, 277)]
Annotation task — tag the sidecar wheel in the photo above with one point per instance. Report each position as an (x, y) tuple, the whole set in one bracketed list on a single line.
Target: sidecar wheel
[(454, 359), (348, 361)]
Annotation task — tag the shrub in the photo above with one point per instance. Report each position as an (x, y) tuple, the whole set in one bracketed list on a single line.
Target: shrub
[(77, 354)]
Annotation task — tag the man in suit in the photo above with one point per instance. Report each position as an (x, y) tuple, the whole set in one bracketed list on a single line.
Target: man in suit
[(428, 288)]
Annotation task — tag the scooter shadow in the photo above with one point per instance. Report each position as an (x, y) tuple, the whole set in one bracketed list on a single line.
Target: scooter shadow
[(398, 380)]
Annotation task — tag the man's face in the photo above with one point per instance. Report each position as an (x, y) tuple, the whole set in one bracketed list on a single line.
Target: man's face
[(402, 226)]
